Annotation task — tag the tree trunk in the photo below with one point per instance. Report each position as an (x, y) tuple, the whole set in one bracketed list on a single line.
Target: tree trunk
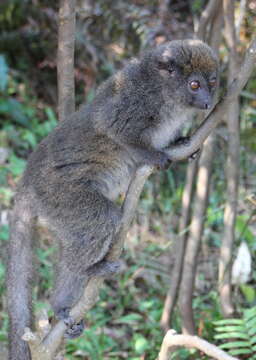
[(65, 58)]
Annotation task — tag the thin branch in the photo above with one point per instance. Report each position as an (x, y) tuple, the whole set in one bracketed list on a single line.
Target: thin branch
[(241, 15), (180, 246), (195, 235), (65, 58), (172, 340), (207, 14)]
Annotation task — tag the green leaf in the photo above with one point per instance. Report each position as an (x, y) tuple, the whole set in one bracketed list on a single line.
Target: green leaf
[(228, 328), (251, 326), (231, 335), (3, 337), (252, 332), (235, 344), (51, 115), (3, 73), (4, 232), (6, 195), (13, 108), (248, 292), (129, 319), (229, 322), (249, 313), (253, 339), (16, 165), (241, 227), (30, 138), (2, 271), (141, 344), (240, 352)]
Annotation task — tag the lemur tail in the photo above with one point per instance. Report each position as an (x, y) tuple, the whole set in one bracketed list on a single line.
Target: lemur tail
[(19, 278)]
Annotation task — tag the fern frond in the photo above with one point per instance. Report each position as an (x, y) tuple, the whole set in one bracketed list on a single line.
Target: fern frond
[(242, 333), (228, 322), (235, 344)]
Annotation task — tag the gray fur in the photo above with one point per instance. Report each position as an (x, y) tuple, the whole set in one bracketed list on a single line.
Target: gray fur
[(74, 176)]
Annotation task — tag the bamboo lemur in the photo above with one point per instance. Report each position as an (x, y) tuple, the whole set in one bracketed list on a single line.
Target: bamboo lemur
[(74, 176)]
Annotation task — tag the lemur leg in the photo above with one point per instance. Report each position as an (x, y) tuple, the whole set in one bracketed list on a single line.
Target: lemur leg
[(92, 232)]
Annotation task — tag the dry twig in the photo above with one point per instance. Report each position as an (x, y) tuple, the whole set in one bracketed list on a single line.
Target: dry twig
[(172, 340)]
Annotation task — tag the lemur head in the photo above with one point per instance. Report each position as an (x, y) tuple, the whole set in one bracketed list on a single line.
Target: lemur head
[(188, 70)]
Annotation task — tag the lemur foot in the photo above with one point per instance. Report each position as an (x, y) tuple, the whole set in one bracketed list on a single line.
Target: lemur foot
[(74, 330), (162, 161)]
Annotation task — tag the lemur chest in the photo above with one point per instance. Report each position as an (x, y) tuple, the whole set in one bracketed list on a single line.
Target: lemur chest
[(116, 180), (168, 129)]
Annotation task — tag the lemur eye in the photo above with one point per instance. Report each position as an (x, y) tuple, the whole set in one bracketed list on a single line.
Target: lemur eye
[(212, 82), (195, 84)]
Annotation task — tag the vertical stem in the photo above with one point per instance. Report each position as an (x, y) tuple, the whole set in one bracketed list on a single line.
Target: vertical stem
[(65, 58), (232, 169), (180, 246), (194, 240), (206, 17)]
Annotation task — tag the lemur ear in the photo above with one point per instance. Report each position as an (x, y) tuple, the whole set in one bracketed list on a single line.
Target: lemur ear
[(162, 65), (166, 64)]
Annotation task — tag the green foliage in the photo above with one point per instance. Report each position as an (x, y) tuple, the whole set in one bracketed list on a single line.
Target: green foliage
[(249, 293), (243, 231), (12, 13), (21, 121), (2, 275), (239, 334), (3, 328), (22, 125), (45, 269), (197, 5), (93, 346)]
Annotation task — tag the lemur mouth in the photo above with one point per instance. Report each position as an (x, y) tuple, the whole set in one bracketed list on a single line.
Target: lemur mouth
[(202, 106)]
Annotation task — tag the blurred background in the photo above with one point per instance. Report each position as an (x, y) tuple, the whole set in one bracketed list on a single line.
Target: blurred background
[(128, 320)]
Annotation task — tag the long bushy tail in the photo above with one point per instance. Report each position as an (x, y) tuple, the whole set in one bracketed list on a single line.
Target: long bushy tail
[(19, 278)]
